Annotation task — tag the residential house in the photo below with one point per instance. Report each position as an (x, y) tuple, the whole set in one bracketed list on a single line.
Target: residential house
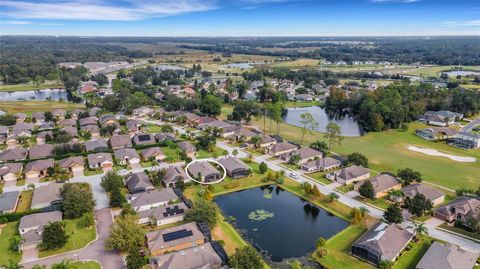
[(46, 126), (76, 113), (88, 86), (460, 209), (138, 182), (38, 169), (282, 148), (144, 139), (126, 156), (42, 136), (31, 227), (142, 111), (20, 117), (74, 165), (382, 184), (98, 145), (120, 141), (468, 140), (323, 164), (436, 133), (436, 196), (23, 126), (47, 196), (72, 131), (100, 160), (447, 256), (234, 167), (10, 171), (92, 129), (440, 118), (94, 111), (304, 97), (59, 114), (349, 175), (163, 215), (173, 175), (174, 239), (203, 256), (154, 153), (132, 127), (107, 119), (67, 123), (204, 171), (146, 200), (187, 148), (9, 202), (244, 134), (38, 117), (41, 151), (383, 242), (92, 120), (163, 137), (16, 154), (305, 154), (267, 141)]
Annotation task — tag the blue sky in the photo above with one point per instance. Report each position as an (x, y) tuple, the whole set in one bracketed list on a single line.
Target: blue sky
[(239, 17)]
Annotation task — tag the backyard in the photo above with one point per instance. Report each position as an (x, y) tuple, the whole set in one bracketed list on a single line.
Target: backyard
[(6, 234)]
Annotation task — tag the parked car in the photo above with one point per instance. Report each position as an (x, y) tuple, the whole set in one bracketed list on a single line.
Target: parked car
[(293, 175)]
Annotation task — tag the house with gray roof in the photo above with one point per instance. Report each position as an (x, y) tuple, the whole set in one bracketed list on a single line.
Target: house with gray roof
[(126, 156), (155, 153), (94, 111), (187, 148), (267, 141), (67, 123), (31, 227), (349, 175), (38, 117), (100, 161), (20, 117), (203, 256), (38, 169), (23, 126), (174, 238), (92, 129), (59, 113), (203, 171), (173, 175), (72, 131), (235, 167), (436, 133), (47, 196), (120, 141), (382, 242), (305, 154), (322, 164), (16, 154), (138, 182), (163, 214), (144, 139), (9, 202), (436, 196), (282, 148), (41, 137), (88, 121), (147, 200), (447, 256), (74, 165), (163, 137), (46, 126), (10, 171), (460, 209), (382, 184), (97, 145), (41, 151)]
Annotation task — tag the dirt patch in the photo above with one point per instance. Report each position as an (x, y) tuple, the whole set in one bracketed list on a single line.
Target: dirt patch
[(436, 153)]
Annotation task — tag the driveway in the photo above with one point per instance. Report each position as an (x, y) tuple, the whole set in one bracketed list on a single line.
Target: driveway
[(94, 251), (29, 254)]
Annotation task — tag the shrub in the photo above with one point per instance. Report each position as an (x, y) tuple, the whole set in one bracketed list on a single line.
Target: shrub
[(232, 185)]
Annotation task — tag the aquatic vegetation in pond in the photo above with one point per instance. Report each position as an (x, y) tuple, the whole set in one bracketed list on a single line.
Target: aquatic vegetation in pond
[(267, 194), (260, 215)]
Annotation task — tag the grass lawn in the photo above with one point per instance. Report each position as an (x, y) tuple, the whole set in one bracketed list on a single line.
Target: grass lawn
[(89, 172), (290, 166), (380, 202), (30, 107), (154, 128), (172, 155), (20, 182), (86, 265), (345, 188), (387, 152), (408, 259), (25, 201), (201, 154), (460, 231), (7, 233), (29, 86), (79, 238)]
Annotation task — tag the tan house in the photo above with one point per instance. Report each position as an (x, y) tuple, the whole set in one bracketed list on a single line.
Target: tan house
[(155, 152), (10, 172), (382, 184), (42, 136), (174, 239), (188, 149), (349, 175), (120, 141), (282, 148), (305, 154), (460, 209), (74, 165), (100, 161), (38, 169), (267, 141), (126, 156), (436, 196), (41, 151), (203, 256)]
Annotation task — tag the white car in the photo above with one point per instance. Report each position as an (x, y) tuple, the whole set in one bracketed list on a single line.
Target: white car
[(293, 175), (122, 171)]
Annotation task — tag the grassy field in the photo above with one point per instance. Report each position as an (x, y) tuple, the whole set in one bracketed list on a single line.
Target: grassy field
[(7, 233), (201, 154), (30, 107), (387, 151), (79, 238), (29, 86), (86, 265), (25, 201), (408, 259)]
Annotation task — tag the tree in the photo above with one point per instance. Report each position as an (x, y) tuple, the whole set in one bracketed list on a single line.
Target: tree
[(244, 111), (135, 260), (157, 177), (418, 228), (211, 105), (418, 205), (307, 121), (111, 181), (366, 190), (409, 175), (235, 152), (127, 209), (13, 265), (64, 264), (295, 159), (53, 236), (262, 168), (363, 210), (357, 159), (333, 196), (333, 135), (203, 211), (87, 220), (117, 199), (126, 234), (319, 145), (320, 242), (246, 258), (393, 214), (77, 200)]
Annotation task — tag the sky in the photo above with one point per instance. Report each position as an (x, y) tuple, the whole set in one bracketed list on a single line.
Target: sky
[(240, 17)]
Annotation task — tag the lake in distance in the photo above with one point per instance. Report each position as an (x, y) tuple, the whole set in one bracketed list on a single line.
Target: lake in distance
[(37, 95)]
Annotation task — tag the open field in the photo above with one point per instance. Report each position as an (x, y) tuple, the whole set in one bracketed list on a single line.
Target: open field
[(29, 86), (29, 107), (387, 152), (7, 233)]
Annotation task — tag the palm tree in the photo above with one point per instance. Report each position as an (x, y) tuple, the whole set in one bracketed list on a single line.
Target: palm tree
[(64, 264), (392, 194), (363, 210), (333, 196), (13, 265), (418, 228)]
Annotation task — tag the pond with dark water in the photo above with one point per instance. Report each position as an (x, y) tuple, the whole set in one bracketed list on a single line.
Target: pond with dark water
[(37, 95)]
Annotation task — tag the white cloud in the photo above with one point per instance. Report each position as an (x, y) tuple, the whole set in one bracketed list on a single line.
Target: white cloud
[(474, 23), (102, 10), (16, 22), (394, 1)]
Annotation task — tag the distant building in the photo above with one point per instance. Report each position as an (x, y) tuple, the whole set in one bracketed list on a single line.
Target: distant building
[(440, 118), (436, 133), (234, 167), (460, 209)]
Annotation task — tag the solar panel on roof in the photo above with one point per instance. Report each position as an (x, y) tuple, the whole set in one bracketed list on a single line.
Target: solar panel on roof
[(143, 138), (173, 211), (177, 235)]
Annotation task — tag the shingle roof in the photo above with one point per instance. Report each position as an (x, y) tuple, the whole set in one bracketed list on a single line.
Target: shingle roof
[(39, 219), (152, 197), (448, 256), (469, 205), (125, 153), (203, 168), (351, 172), (384, 182), (201, 257), (14, 154), (283, 146), (142, 139), (8, 200), (41, 151), (323, 162), (173, 173), (71, 161), (186, 146), (151, 152), (164, 212), (39, 165), (232, 163), (165, 136), (10, 168), (88, 121), (120, 141), (46, 194), (155, 240), (138, 180), (95, 144), (99, 158), (429, 192)]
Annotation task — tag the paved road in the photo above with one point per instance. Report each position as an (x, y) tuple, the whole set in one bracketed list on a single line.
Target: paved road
[(94, 251)]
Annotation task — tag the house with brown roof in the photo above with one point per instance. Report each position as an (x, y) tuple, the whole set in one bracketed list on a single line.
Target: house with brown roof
[(142, 111), (72, 131), (132, 127), (244, 134), (97, 145), (349, 175), (323, 164), (162, 215), (10, 171), (92, 129), (143, 139), (46, 126), (382, 184), (120, 141), (74, 165), (38, 169), (88, 121), (100, 161), (436, 196), (154, 153), (67, 123), (282, 148), (47, 196), (146, 200), (460, 209), (31, 227), (383, 242), (436, 133), (59, 114), (20, 117), (174, 239), (163, 137), (38, 117), (41, 151), (15, 154), (203, 171), (93, 111), (42, 136), (126, 156), (173, 175), (107, 119), (187, 148), (447, 256), (23, 126), (203, 256), (267, 141), (138, 182), (235, 167), (306, 154)]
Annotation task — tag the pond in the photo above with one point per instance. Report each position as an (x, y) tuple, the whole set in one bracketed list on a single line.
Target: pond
[(348, 126), (292, 230), (238, 65), (38, 95)]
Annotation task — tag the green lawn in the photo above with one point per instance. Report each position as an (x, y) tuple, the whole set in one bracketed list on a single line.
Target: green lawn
[(201, 154), (86, 265), (89, 172), (387, 152), (320, 177), (20, 182), (408, 259), (172, 155), (154, 128), (30, 107), (381, 202), (28, 87), (345, 188), (25, 201), (79, 238), (460, 231), (8, 232)]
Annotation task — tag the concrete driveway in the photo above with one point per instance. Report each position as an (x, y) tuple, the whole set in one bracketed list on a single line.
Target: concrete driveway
[(30, 254)]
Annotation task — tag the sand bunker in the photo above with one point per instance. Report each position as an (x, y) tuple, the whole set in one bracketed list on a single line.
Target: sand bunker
[(437, 153)]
